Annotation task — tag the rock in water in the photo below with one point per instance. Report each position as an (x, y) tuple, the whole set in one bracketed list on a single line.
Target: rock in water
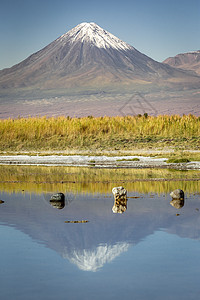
[(120, 204), (58, 200), (177, 194), (119, 191), (58, 197)]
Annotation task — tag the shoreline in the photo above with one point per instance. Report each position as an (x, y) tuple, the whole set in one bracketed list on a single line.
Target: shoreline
[(96, 161)]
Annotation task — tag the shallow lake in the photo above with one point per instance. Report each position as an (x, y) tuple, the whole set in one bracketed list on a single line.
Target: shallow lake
[(151, 251)]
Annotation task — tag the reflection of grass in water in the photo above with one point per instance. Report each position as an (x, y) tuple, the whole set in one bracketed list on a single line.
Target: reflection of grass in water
[(73, 179)]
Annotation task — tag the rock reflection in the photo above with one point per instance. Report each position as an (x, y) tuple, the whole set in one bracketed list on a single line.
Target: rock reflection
[(57, 200), (177, 203), (177, 198), (120, 204)]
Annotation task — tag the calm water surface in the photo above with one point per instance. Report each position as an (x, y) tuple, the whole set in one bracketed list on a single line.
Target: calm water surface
[(151, 251)]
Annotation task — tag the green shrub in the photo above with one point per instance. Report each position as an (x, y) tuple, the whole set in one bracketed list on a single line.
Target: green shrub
[(131, 159), (178, 160)]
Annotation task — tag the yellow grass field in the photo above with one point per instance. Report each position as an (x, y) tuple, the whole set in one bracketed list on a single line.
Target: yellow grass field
[(102, 133)]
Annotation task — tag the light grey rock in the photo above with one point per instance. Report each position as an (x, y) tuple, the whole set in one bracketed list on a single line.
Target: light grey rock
[(120, 204), (177, 194), (119, 191)]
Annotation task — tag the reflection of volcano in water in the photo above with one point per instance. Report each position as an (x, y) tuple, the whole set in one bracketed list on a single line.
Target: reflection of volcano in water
[(92, 260), (106, 235)]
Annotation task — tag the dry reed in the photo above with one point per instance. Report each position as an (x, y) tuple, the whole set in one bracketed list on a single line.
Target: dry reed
[(106, 132)]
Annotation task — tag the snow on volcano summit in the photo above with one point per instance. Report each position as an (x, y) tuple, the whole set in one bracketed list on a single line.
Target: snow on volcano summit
[(94, 34)]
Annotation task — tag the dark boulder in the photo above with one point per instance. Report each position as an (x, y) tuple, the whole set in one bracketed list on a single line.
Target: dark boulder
[(58, 200)]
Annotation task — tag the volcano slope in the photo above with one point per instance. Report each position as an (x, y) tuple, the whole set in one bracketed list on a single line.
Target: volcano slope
[(90, 71)]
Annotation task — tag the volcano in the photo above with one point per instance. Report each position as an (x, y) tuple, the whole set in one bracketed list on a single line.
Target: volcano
[(86, 56), (88, 60)]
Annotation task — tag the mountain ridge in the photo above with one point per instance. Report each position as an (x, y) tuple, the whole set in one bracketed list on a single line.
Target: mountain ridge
[(187, 61)]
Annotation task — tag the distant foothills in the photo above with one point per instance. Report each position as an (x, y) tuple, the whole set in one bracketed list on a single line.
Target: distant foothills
[(89, 71), (186, 61)]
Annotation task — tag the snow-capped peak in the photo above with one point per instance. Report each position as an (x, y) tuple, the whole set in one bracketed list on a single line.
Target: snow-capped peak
[(92, 33), (194, 52)]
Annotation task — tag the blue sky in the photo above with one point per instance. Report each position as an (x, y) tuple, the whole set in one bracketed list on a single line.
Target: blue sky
[(157, 28)]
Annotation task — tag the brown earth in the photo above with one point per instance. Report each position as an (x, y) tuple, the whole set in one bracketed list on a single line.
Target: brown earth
[(105, 105)]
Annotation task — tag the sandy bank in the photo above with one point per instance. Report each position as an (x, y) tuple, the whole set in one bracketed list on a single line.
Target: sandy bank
[(96, 161)]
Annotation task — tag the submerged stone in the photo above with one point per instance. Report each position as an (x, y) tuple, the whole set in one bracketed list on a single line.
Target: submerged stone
[(82, 221)]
